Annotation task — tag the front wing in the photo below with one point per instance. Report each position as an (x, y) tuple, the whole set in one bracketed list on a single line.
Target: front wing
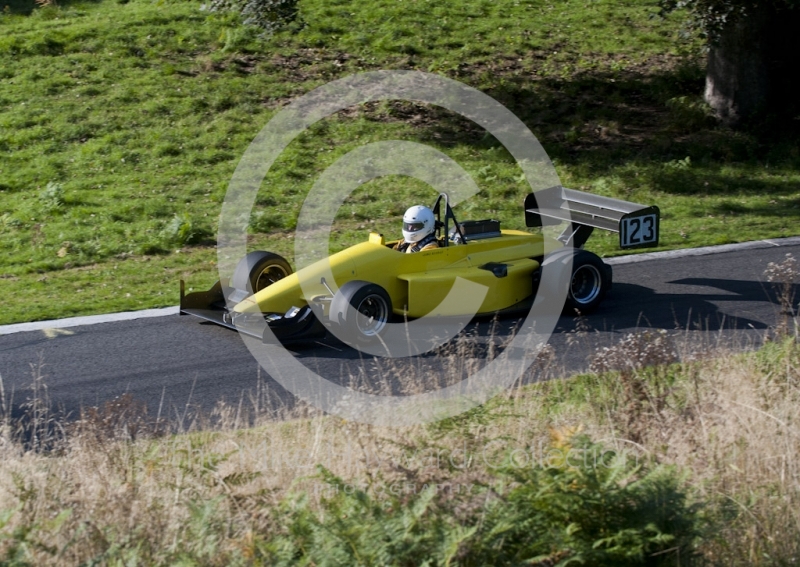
[(297, 325)]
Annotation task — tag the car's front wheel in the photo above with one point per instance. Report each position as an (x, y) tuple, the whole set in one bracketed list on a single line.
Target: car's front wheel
[(259, 270), (361, 310)]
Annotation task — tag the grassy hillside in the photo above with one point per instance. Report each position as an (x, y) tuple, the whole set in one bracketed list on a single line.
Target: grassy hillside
[(122, 122)]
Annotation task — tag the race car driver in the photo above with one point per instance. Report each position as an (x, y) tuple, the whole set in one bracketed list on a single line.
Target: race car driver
[(419, 230)]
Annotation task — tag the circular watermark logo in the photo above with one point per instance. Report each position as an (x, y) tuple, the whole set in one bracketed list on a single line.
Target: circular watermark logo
[(358, 289)]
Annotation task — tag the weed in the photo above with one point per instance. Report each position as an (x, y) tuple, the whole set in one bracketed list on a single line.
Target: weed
[(636, 351), (643, 392), (679, 164), (40, 428), (180, 230), (8, 222), (123, 418), (52, 196), (784, 276), (262, 221), (690, 113)]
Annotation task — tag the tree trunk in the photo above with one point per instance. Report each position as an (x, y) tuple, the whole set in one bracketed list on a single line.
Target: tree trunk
[(753, 66)]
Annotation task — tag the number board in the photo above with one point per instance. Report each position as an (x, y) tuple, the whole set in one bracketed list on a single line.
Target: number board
[(639, 229)]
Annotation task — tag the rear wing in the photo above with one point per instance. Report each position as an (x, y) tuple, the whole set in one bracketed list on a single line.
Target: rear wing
[(637, 225)]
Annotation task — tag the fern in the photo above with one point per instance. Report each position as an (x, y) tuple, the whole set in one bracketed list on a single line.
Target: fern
[(352, 528), (615, 512), (612, 512)]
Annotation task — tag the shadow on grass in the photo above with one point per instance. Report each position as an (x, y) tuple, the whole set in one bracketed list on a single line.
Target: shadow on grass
[(790, 210), (607, 118), (718, 183), (26, 7), (598, 120)]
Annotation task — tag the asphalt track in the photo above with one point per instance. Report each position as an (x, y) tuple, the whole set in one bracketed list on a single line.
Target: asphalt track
[(703, 298)]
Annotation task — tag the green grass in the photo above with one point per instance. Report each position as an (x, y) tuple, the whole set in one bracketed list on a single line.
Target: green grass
[(121, 124)]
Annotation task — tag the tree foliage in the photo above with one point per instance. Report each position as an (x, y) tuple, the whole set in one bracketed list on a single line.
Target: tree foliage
[(711, 16)]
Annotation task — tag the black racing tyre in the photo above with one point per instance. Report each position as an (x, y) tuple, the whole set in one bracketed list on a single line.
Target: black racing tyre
[(588, 281), (361, 310), (259, 270), (588, 284)]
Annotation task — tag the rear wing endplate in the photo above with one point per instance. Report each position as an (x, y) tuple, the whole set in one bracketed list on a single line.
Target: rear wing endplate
[(637, 225)]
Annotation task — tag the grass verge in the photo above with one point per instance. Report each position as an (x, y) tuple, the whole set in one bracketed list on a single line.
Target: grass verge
[(693, 462)]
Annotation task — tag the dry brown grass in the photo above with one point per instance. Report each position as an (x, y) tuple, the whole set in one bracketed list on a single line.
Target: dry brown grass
[(114, 487)]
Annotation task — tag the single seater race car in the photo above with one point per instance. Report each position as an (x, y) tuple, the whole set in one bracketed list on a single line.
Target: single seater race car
[(372, 283)]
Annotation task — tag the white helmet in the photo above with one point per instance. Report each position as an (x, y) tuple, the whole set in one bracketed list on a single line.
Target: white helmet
[(418, 222)]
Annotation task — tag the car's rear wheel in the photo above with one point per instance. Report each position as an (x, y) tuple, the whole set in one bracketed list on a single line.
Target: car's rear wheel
[(587, 282), (259, 270), (361, 310), (586, 285)]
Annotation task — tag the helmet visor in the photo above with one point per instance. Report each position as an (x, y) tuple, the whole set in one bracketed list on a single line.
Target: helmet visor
[(413, 226)]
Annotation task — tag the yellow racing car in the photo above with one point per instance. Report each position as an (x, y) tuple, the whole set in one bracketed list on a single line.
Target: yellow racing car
[(361, 288)]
